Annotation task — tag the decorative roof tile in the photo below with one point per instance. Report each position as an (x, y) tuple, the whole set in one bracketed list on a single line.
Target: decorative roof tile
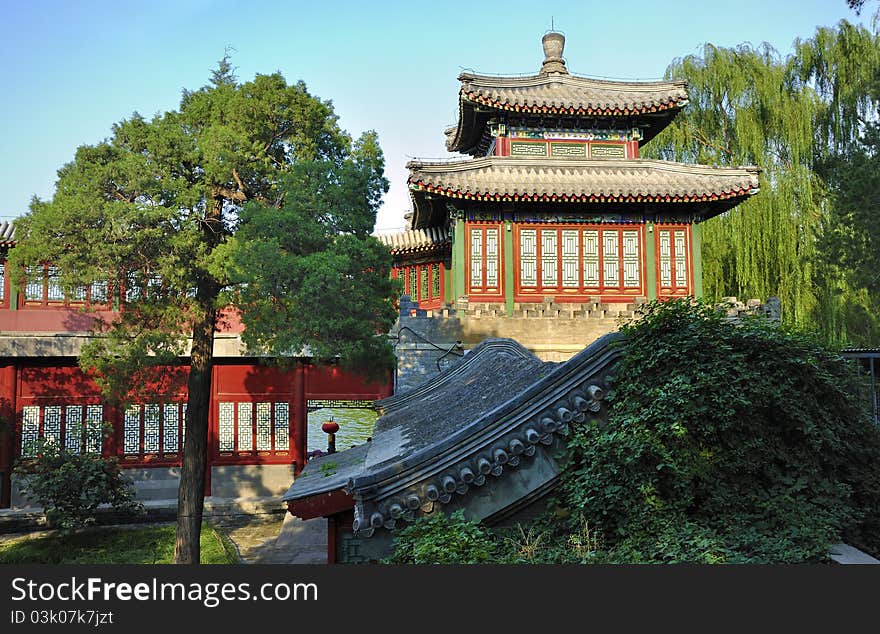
[(7, 234), (579, 181), (416, 240), (572, 95)]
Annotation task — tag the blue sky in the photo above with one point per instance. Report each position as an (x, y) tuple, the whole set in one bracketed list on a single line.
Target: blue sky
[(73, 68)]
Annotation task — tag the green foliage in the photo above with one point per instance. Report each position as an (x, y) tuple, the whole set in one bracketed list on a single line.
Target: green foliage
[(442, 539), (800, 119), (115, 545), (726, 443), (249, 194), (70, 486)]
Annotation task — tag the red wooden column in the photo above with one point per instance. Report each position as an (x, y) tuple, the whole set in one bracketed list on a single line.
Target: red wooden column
[(7, 431), (298, 439)]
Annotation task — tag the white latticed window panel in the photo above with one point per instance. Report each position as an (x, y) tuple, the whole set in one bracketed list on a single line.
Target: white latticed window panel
[(611, 258), (171, 427), (33, 290), (131, 430), (665, 257), (30, 430), (570, 264), (492, 258), (591, 258), (53, 289), (151, 428), (226, 427), (476, 257), (549, 274), (94, 428), (2, 280), (282, 426), (631, 259), (98, 292), (73, 428), (264, 426), (528, 258), (680, 259), (52, 423), (245, 426)]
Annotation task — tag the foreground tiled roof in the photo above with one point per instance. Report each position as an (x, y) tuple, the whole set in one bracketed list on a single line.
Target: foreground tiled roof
[(559, 180), (7, 234), (416, 240), (499, 412)]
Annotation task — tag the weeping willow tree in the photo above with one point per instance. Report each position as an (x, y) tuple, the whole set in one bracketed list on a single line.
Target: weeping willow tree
[(787, 115)]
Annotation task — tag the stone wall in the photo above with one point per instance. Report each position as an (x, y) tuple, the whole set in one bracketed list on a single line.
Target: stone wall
[(429, 341)]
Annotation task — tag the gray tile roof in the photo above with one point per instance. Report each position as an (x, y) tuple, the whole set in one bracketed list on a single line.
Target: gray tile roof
[(416, 240), (479, 420), (502, 176), (7, 233), (652, 105), (570, 94)]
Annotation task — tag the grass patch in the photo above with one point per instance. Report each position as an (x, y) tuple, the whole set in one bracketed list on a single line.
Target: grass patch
[(115, 545)]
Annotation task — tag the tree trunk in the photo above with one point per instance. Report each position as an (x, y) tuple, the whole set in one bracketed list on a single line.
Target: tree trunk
[(191, 492)]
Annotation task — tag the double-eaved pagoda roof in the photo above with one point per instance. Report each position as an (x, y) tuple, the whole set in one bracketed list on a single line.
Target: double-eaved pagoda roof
[(546, 179)]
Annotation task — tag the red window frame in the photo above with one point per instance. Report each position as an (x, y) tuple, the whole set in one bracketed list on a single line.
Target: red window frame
[(436, 277), (484, 291), (581, 292), (162, 455), (252, 454), (674, 290), (65, 301), (64, 405)]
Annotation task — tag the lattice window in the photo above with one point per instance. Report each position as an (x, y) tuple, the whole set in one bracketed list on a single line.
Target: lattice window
[(413, 288), (77, 428), (264, 426), (53, 285), (282, 426), (425, 283), (570, 263), (611, 258), (549, 274), (492, 257), (33, 290), (52, 423), (435, 280), (152, 429), (226, 425), (631, 276), (131, 430), (247, 427), (680, 259), (476, 257), (73, 428), (30, 430), (2, 281), (673, 260), (98, 292), (528, 257), (591, 258)]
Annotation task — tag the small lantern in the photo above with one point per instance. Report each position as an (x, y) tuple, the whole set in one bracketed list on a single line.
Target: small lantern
[(330, 428)]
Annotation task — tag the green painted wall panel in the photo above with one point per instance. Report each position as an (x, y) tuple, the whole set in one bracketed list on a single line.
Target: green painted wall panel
[(508, 268), (697, 247), (650, 261)]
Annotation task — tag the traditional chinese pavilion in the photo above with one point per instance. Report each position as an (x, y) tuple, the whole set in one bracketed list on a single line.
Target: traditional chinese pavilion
[(554, 202), (552, 229)]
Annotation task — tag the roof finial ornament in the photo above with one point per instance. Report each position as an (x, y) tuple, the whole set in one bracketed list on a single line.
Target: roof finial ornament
[(553, 43)]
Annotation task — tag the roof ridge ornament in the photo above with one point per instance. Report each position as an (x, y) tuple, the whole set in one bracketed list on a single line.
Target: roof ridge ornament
[(553, 43)]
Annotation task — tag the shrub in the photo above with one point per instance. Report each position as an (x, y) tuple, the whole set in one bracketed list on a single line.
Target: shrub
[(442, 539), (726, 442), (71, 485)]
